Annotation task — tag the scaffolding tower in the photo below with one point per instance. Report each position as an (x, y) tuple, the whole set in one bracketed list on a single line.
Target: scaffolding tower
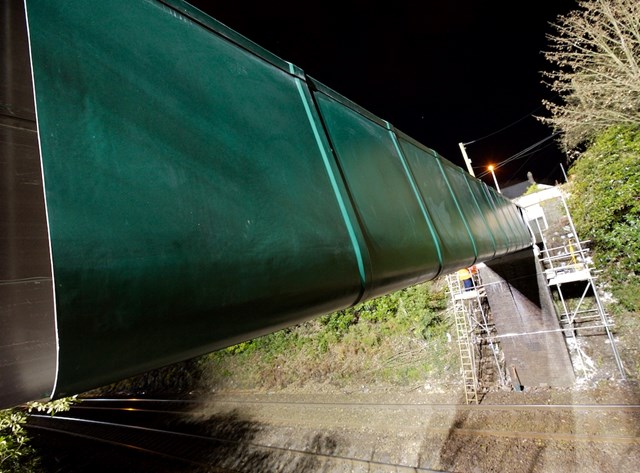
[(475, 335), (570, 274)]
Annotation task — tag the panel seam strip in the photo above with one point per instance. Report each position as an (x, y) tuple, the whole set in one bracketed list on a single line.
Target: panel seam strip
[(455, 201), (334, 184), (434, 235)]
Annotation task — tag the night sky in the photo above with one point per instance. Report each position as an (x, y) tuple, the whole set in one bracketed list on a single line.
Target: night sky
[(442, 72)]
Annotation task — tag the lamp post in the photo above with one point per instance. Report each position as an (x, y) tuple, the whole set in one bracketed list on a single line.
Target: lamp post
[(494, 178)]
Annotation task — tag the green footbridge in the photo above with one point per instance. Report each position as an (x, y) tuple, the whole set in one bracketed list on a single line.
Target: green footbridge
[(169, 188)]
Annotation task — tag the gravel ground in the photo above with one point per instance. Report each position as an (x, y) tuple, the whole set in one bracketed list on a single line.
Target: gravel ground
[(385, 426)]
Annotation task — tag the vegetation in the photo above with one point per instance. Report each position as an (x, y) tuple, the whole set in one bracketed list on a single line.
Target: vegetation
[(16, 453), (595, 57), (532, 189), (595, 54), (397, 339), (605, 204), (172, 381), (400, 338)]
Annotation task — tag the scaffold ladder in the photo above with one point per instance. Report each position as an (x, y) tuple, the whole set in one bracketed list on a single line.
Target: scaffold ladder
[(463, 333)]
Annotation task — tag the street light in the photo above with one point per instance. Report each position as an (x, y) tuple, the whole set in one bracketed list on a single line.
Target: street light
[(494, 178)]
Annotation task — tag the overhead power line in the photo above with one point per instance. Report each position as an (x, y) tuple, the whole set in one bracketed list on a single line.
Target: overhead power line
[(505, 127), (524, 163), (519, 155)]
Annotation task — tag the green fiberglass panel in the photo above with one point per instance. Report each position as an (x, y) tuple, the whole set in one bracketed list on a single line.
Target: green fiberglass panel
[(189, 192), (478, 190), (521, 237), (503, 218), (458, 247), (517, 222), (482, 235), (398, 233)]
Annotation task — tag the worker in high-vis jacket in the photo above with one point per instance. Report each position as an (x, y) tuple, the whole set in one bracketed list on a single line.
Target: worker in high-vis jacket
[(464, 275)]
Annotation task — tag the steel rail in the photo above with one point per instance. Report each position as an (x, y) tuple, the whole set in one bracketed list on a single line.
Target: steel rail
[(113, 442), (398, 467), (447, 430), (474, 407), (532, 435)]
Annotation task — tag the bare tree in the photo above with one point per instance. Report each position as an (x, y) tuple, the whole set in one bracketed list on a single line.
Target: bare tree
[(596, 53)]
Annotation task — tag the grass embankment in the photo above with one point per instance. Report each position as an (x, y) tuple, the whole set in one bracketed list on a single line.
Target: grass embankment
[(404, 339), (397, 339)]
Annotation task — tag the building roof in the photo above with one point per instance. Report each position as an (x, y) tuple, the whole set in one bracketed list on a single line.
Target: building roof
[(516, 190)]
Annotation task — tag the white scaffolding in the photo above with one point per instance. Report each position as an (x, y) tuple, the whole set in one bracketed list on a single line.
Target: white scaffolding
[(570, 275), (568, 267), (475, 333)]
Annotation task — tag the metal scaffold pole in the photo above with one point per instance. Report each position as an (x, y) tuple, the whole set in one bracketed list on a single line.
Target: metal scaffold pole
[(600, 308), (480, 355), (567, 266), (463, 335)]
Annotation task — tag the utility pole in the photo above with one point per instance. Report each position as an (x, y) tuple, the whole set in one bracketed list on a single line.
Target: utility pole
[(466, 159), (494, 178)]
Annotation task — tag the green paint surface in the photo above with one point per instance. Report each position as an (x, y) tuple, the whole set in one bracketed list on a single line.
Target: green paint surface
[(457, 247), (199, 194), (401, 248), (483, 236), (487, 208), (188, 200)]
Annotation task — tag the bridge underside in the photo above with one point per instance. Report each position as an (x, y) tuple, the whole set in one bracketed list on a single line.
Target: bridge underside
[(526, 321)]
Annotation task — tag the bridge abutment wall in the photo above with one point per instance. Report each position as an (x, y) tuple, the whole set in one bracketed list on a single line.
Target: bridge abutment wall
[(526, 322)]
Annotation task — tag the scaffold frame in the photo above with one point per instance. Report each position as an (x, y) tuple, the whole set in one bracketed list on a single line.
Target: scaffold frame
[(567, 261), (474, 330)]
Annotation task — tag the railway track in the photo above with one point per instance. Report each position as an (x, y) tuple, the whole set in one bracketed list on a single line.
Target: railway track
[(152, 436), (256, 435)]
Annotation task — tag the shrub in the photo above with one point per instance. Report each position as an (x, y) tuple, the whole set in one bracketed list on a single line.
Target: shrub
[(398, 337), (605, 204), (16, 453)]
